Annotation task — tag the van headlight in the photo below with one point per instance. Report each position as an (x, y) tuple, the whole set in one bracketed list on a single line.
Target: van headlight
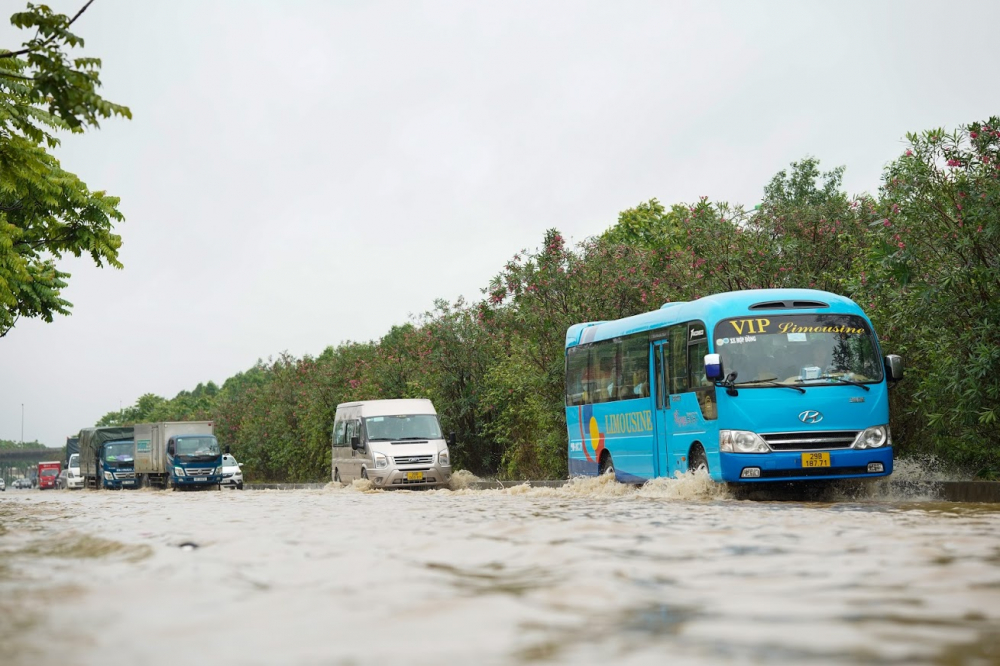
[(444, 458), (873, 438), (108, 476), (742, 441), (178, 471), (381, 461)]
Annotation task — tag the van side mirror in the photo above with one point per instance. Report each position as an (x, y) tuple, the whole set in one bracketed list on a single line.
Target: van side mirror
[(894, 367), (451, 439), (356, 443), (713, 367), (228, 452), (170, 448)]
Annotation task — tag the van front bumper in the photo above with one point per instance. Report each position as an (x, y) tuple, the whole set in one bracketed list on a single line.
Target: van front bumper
[(790, 465), (424, 476)]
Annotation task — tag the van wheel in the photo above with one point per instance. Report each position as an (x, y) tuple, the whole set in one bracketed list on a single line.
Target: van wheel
[(364, 474), (607, 466), (697, 461)]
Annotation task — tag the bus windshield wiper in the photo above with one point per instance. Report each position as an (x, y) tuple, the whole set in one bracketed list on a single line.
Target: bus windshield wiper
[(770, 382), (839, 380)]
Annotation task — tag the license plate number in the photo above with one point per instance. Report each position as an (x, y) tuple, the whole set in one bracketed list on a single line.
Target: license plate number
[(414, 476), (816, 459), (200, 479)]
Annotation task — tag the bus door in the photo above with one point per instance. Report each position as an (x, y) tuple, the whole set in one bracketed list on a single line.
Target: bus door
[(661, 407)]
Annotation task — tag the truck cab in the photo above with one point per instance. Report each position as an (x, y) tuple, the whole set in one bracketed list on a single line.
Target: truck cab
[(194, 461), (48, 472), (116, 465)]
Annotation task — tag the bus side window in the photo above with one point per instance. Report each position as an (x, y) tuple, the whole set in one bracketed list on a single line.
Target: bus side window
[(703, 387), (635, 361), (678, 359), (576, 376), (658, 374), (603, 358)]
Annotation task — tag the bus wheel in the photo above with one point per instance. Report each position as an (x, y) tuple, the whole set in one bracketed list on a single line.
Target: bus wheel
[(607, 465), (697, 461)]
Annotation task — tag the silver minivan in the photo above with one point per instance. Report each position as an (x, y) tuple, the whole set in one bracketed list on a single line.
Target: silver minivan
[(393, 443)]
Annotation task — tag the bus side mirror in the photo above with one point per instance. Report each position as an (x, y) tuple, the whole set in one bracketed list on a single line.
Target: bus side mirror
[(713, 367), (894, 367), (451, 440), (356, 443)]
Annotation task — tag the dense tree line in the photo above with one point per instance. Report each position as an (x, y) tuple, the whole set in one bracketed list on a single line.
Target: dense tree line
[(921, 256)]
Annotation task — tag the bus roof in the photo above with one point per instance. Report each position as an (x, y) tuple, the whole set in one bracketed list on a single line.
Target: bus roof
[(711, 309)]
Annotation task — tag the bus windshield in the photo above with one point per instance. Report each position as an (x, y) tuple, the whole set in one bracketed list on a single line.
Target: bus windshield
[(805, 349)]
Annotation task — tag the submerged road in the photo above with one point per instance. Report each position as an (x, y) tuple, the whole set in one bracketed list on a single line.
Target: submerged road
[(594, 572)]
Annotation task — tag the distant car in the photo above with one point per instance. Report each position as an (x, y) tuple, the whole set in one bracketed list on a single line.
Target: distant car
[(22, 483), (232, 475), (61, 480), (3, 484)]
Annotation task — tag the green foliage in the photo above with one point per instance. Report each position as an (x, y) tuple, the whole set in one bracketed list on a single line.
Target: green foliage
[(46, 212), (933, 278)]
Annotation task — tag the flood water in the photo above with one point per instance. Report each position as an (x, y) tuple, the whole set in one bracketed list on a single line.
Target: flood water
[(596, 572)]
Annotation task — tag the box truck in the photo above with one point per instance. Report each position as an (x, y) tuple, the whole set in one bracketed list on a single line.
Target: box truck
[(48, 472), (179, 454), (107, 457)]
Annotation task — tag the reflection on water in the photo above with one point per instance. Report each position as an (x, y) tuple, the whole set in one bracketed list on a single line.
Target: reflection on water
[(679, 571)]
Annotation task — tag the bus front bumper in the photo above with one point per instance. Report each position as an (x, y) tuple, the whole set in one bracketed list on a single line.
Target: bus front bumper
[(805, 465)]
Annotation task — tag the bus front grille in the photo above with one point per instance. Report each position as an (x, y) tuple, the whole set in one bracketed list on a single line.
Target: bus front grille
[(810, 441)]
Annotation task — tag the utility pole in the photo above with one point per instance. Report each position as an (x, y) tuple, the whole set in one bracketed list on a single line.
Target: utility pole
[(22, 425)]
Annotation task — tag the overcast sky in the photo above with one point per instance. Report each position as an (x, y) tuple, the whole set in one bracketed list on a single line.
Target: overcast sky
[(299, 174)]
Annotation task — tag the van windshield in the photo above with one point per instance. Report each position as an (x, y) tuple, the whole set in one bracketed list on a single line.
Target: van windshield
[(403, 427)]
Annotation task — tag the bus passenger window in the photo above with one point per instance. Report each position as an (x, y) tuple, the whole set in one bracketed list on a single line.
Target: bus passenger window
[(576, 376), (678, 359), (635, 359)]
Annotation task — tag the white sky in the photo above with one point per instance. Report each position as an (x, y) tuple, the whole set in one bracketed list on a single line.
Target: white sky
[(299, 174)]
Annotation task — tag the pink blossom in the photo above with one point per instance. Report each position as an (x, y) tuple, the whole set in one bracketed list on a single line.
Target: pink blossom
[(954, 163), (909, 153), (901, 244), (974, 135)]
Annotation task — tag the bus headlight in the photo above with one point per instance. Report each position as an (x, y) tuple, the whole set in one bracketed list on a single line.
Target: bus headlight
[(742, 441), (872, 438), (381, 461), (444, 458)]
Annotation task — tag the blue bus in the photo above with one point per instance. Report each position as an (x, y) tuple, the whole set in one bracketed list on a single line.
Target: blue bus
[(752, 386)]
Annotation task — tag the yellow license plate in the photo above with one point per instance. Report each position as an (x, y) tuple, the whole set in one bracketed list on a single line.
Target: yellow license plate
[(419, 476), (816, 459)]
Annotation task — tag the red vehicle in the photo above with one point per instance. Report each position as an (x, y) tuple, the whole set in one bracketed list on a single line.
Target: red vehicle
[(48, 472)]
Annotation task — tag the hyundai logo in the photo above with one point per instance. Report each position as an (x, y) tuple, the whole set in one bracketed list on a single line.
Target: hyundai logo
[(810, 416)]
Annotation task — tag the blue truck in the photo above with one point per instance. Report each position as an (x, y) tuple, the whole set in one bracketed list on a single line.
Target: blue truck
[(180, 455), (107, 458)]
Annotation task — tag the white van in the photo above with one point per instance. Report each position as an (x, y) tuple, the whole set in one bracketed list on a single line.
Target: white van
[(393, 443)]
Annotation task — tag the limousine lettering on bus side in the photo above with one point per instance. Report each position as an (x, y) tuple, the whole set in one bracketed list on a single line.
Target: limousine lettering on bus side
[(628, 422)]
